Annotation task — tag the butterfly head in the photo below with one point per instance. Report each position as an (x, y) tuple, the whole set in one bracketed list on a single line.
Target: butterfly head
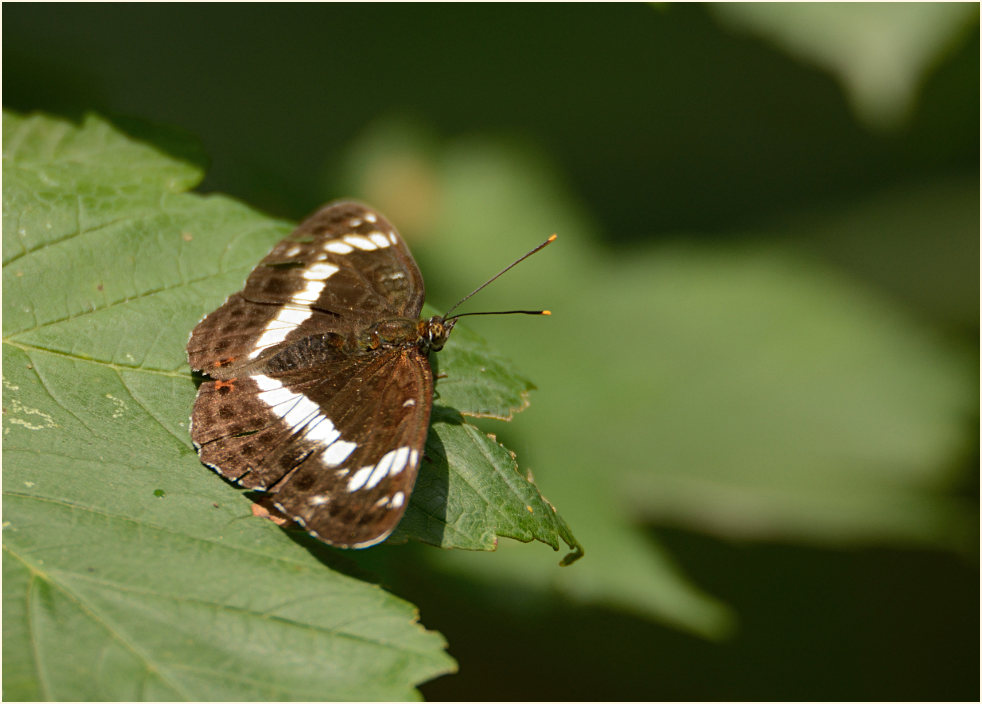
[(435, 331)]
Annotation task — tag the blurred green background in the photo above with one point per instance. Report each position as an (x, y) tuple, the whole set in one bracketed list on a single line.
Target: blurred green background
[(757, 402)]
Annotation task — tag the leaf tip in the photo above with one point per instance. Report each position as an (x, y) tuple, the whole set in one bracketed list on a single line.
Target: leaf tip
[(574, 554)]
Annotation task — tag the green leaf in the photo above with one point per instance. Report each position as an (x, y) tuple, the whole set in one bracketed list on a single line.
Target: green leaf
[(130, 572), (483, 497), (183, 260), (113, 531), (477, 381), (67, 180)]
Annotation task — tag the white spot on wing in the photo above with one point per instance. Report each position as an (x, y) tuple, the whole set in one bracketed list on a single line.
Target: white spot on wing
[(390, 464), (399, 460), (392, 238), (380, 240), (265, 383), (321, 429), (370, 217), (381, 469), (362, 243), (288, 318), (309, 293), (293, 251), (339, 247), (359, 478), (397, 499), (303, 415), (320, 272), (354, 222), (373, 541), (337, 453), (318, 500), (409, 402), (292, 316)]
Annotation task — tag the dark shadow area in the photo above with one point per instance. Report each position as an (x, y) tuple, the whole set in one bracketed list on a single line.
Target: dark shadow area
[(168, 139), (426, 517), (172, 141), (336, 559), (814, 625), (714, 129), (199, 378)]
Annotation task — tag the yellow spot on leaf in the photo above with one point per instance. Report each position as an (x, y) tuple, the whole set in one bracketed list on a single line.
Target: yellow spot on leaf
[(120, 406), (16, 407)]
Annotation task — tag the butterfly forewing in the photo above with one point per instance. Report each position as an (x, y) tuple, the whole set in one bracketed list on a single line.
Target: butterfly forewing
[(343, 266), (334, 431)]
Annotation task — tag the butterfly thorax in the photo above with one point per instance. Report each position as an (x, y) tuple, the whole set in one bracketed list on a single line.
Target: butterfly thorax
[(427, 335)]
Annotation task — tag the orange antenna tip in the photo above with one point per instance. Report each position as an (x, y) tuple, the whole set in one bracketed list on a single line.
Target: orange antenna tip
[(547, 312), (447, 316)]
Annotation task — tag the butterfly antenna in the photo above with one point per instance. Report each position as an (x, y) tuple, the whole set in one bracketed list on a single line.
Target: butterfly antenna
[(525, 256)]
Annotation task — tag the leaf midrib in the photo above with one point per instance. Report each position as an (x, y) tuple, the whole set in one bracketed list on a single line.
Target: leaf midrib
[(121, 301), (115, 366)]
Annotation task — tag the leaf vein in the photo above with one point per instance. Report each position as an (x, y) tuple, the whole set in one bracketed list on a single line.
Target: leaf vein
[(490, 460), (51, 394), (113, 304), (112, 365), (31, 628), (134, 216), (97, 619), (146, 409)]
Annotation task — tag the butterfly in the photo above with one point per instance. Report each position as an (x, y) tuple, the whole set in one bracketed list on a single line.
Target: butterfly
[(320, 387)]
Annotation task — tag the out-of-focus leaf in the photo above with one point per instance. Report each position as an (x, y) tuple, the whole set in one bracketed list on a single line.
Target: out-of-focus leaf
[(879, 51), (823, 414)]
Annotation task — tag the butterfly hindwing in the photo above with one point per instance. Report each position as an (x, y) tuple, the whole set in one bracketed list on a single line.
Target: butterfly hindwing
[(343, 470), (359, 500)]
